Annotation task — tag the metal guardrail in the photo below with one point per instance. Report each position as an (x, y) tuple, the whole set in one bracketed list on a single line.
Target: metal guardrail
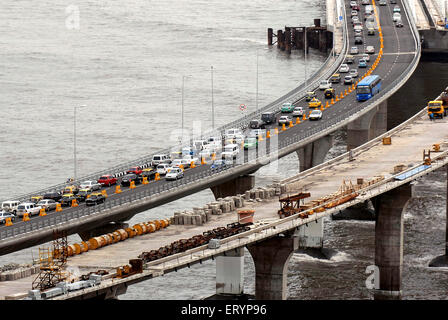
[(211, 173), (294, 95)]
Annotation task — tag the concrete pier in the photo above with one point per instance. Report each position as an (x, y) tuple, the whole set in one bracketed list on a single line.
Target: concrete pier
[(233, 187), (314, 153), (370, 125), (442, 261), (271, 259), (230, 273), (389, 209)]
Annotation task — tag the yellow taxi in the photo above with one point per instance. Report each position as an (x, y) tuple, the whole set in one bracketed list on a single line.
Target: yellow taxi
[(314, 103), (36, 199)]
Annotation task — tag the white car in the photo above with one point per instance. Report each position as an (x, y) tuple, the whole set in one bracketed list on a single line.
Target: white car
[(365, 56), (92, 185), (230, 151), (215, 141), (353, 73), (315, 115), (324, 84), (348, 80), (370, 49), (297, 112), (284, 120), (163, 168), (28, 207), (5, 214), (180, 162), (190, 158), (353, 50), (396, 16), (174, 174), (344, 68), (358, 29)]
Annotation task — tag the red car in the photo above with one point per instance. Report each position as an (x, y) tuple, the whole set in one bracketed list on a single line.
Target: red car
[(135, 170), (107, 180)]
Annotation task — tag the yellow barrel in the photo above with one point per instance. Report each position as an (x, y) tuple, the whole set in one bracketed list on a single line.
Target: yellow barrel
[(77, 248), (84, 246), (163, 223), (138, 228), (117, 235), (144, 227), (69, 251), (123, 234), (151, 227), (131, 232), (97, 242), (156, 223), (105, 240), (168, 222)]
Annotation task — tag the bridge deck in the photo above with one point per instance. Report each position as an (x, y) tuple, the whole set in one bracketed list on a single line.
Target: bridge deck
[(376, 159)]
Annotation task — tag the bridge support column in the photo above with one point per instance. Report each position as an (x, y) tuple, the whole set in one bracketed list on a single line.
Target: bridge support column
[(369, 126), (233, 187), (389, 209), (442, 261), (311, 235), (271, 259), (230, 273), (314, 153), (107, 228)]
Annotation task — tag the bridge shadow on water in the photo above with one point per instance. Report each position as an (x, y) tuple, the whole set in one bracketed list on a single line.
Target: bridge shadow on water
[(429, 79)]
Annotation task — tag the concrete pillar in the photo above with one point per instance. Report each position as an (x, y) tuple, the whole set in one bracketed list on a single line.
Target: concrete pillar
[(271, 259), (104, 229), (287, 38), (311, 235), (233, 187), (370, 125), (389, 209), (230, 273), (314, 153), (442, 261)]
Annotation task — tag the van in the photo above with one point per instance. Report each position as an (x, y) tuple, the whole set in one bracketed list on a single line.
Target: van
[(256, 124), (232, 133), (199, 144), (159, 158), (230, 150), (28, 207), (268, 117), (10, 206)]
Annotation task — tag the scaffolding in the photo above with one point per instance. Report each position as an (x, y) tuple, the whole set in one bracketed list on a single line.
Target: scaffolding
[(52, 263)]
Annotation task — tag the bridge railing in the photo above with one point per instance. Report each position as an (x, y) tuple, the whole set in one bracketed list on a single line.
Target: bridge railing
[(294, 95)]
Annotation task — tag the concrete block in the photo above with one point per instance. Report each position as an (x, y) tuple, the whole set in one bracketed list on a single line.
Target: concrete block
[(247, 195)]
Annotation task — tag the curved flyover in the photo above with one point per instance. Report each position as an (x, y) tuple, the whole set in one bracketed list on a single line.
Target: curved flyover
[(399, 59)]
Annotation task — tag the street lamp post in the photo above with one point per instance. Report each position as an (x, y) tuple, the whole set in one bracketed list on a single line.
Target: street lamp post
[(213, 106), (256, 95), (306, 75), (74, 140)]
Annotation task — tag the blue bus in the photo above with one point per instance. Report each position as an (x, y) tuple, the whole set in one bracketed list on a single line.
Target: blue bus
[(368, 87)]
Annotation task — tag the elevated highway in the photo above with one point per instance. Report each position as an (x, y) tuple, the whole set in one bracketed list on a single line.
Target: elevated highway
[(364, 121), (274, 238)]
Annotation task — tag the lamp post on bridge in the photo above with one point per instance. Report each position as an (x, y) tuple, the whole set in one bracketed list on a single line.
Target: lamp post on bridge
[(213, 106), (75, 108)]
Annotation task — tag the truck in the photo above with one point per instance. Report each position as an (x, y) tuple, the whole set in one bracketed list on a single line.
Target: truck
[(437, 109)]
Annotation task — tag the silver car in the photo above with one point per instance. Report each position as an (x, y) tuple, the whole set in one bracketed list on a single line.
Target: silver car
[(353, 73), (370, 49), (174, 174), (47, 204), (93, 185), (284, 120), (315, 115), (354, 50), (344, 67), (297, 112)]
